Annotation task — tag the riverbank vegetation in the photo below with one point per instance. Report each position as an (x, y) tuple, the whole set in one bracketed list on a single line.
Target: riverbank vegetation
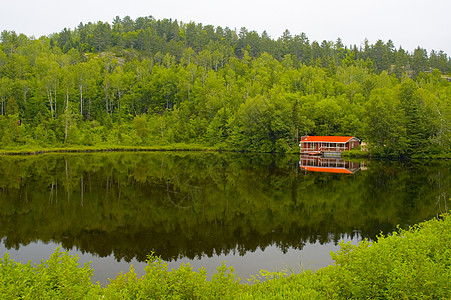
[(105, 148), (407, 264), (153, 83)]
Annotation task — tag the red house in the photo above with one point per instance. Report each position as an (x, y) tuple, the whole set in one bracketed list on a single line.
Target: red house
[(327, 144)]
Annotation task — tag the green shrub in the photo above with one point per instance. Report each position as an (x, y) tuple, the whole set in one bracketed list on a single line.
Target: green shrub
[(58, 278), (408, 264)]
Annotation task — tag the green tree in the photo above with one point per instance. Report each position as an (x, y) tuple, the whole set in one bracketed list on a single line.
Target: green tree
[(384, 123), (141, 127), (414, 123), (252, 126)]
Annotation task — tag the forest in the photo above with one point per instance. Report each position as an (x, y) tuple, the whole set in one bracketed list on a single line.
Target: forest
[(149, 82)]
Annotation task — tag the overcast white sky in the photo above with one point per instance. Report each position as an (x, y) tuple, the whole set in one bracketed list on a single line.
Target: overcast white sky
[(409, 23)]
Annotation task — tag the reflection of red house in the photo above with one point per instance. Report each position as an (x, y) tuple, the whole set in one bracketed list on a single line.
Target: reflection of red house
[(328, 165), (327, 144)]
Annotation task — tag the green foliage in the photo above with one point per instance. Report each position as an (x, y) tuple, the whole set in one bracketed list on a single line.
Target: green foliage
[(60, 277), (384, 121), (408, 264), (217, 87), (142, 128)]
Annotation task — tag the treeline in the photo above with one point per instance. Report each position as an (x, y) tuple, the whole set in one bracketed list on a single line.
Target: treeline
[(159, 82), (151, 37)]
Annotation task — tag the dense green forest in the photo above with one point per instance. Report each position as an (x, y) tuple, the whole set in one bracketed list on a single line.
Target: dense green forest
[(149, 82)]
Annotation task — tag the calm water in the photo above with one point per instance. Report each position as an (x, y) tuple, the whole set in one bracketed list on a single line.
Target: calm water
[(252, 211)]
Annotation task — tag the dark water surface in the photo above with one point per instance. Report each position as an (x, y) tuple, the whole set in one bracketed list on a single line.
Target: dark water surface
[(252, 211)]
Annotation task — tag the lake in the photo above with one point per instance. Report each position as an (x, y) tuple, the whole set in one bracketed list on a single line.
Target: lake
[(251, 211)]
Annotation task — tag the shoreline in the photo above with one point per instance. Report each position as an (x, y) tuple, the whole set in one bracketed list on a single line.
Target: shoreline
[(39, 151), (353, 154)]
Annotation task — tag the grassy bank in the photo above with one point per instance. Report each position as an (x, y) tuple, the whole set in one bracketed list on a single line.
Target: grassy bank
[(415, 263), (105, 148), (356, 153)]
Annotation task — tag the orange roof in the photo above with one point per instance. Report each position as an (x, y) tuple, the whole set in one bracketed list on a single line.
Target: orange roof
[(328, 139), (327, 170)]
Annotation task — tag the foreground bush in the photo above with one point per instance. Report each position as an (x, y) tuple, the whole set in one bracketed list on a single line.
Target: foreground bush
[(59, 277), (408, 264)]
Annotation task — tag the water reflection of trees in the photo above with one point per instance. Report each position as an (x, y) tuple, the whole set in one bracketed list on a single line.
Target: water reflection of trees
[(193, 204)]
